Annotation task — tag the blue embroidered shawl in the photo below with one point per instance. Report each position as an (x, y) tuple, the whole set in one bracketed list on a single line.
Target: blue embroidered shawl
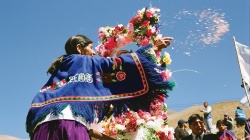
[(91, 84)]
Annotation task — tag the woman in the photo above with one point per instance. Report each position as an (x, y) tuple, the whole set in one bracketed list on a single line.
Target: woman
[(82, 87), (223, 133)]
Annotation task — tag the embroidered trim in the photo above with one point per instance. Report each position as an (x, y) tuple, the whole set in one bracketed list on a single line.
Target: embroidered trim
[(55, 85), (143, 91), (117, 75)]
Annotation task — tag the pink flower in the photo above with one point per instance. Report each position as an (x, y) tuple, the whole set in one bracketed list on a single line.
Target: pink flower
[(166, 75), (101, 35), (158, 54), (164, 116), (130, 27), (149, 14), (156, 108), (98, 79), (170, 134)]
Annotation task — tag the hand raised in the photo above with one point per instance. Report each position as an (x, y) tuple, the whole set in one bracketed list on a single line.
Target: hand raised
[(161, 43)]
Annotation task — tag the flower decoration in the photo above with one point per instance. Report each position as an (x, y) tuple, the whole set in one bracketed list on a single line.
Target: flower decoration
[(164, 60), (152, 123), (145, 26), (120, 75), (142, 29), (112, 38)]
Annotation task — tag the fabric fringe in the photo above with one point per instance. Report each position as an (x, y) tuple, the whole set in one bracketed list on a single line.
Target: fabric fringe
[(155, 81), (84, 109)]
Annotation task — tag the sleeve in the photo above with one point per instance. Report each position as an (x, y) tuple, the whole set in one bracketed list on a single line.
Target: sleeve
[(137, 80), (207, 110), (177, 133)]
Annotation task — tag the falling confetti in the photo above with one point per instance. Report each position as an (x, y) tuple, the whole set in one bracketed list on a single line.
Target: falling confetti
[(196, 29)]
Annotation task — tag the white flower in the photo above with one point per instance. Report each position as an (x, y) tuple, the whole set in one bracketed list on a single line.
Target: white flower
[(140, 121), (154, 125), (120, 127)]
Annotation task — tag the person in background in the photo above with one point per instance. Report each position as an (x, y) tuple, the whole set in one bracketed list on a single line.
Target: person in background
[(241, 121), (196, 124), (223, 133), (180, 131), (80, 89), (207, 117), (228, 121), (238, 107)]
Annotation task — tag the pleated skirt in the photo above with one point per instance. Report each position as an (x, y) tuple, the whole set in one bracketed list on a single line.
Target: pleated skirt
[(61, 130)]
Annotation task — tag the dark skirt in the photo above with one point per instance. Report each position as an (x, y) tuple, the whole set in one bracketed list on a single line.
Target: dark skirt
[(61, 130)]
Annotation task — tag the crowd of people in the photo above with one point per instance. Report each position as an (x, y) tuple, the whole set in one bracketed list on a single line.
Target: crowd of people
[(201, 127)]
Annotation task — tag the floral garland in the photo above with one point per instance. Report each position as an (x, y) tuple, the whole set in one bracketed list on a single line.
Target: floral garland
[(142, 29), (146, 125), (152, 124), (145, 26), (112, 38)]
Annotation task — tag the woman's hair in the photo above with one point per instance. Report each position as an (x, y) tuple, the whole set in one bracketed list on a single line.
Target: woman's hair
[(70, 48)]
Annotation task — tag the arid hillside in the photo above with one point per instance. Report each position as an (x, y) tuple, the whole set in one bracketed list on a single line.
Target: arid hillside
[(5, 137), (218, 111)]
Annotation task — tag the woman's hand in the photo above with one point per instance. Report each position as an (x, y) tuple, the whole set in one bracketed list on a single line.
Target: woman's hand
[(161, 43)]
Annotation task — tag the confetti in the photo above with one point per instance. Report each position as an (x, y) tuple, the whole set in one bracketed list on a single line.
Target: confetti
[(194, 30)]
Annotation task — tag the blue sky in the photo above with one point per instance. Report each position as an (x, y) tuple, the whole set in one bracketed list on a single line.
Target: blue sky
[(33, 34)]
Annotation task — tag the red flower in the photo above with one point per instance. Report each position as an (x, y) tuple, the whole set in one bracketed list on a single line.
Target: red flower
[(119, 29), (145, 41), (149, 33), (161, 135), (111, 43), (120, 75), (145, 23), (135, 19), (132, 125)]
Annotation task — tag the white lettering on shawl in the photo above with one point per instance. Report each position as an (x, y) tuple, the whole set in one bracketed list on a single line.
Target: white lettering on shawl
[(81, 77)]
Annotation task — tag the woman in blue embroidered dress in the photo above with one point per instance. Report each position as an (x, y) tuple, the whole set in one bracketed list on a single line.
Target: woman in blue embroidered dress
[(83, 85)]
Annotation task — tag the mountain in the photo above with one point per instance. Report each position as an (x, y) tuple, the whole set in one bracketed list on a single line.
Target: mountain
[(5, 137)]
